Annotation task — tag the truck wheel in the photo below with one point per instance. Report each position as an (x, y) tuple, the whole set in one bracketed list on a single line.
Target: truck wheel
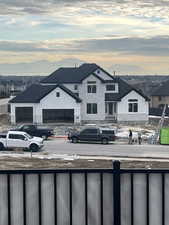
[(74, 140), (34, 147), (1, 147), (105, 141)]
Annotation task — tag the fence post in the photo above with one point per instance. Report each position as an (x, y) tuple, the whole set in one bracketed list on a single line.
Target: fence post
[(116, 192)]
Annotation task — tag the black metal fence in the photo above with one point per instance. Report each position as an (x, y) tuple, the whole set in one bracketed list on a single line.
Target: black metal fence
[(84, 197)]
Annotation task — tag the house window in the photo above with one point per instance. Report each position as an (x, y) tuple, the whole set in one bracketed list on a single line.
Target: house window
[(91, 108), (110, 87), (75, 87), (91, 87), (133, 105), (57, 94)]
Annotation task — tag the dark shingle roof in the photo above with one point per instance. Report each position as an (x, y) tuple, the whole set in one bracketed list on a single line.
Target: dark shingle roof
[(124, 89), (72, 75), (36, 92), (163, 90)]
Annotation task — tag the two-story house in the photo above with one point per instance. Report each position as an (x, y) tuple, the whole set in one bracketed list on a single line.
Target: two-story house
[(81, 94)]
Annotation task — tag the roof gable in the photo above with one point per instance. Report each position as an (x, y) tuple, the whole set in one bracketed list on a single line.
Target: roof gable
[(36, 92), (73, 75), (33, 94), (124, 89)]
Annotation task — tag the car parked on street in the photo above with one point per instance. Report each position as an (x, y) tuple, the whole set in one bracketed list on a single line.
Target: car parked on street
[(103, 135), (20, 139), (34, 130)]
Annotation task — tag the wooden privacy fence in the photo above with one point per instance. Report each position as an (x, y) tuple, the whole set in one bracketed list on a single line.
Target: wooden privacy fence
[(84, 197)]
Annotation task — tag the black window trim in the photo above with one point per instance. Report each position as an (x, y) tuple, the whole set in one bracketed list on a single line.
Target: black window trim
[(92, 108), (110, 85)]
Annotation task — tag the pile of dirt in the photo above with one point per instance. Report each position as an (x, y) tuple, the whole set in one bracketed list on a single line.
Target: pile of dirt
[(4, 119)]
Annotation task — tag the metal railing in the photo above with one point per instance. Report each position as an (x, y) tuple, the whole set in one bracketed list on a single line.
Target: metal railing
[(84, 196)]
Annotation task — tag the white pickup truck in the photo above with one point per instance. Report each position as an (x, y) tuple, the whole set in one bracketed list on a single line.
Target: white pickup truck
[(20, 139)]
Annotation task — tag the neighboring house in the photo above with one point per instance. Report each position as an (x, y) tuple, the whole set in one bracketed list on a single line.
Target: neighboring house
[(160, 96), (82, 94)]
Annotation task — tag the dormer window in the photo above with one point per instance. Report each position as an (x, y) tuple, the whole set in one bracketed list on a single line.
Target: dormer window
[(57, 94), (110, 87)]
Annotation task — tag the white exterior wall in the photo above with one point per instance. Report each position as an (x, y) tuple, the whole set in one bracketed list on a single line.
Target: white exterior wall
[(14, 105), (122, 108), (97, 97), (65, 101)]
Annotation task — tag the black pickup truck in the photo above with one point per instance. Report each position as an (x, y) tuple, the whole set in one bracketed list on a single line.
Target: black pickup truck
[(34, 130), (103, 135)]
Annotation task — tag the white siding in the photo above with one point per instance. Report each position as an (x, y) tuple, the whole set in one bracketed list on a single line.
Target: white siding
[(124, 115), (14, 105), (65, 101), (97, 97)]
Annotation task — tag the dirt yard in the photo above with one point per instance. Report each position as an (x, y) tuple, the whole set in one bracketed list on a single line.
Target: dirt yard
[(11, 163)]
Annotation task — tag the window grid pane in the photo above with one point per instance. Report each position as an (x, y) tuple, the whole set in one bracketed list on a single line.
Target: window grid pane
[(91, 88), (91, 108)]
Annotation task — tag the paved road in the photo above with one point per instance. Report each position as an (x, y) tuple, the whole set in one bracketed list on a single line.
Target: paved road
[(61, 146)]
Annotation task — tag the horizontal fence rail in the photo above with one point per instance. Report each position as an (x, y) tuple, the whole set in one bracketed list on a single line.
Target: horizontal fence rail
[(84, 197)]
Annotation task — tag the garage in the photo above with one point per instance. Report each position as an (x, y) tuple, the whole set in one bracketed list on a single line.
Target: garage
[(58, 115), (24, 114)]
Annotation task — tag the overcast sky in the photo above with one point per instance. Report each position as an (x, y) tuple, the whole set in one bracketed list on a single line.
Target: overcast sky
[(126, 36)]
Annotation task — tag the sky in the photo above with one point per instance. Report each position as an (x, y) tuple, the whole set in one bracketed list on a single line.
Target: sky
[(130, 37)]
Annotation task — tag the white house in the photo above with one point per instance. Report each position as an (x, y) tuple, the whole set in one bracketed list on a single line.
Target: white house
[(83, 94)]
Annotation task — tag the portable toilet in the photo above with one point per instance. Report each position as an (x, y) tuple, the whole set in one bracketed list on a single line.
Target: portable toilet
[(164, 136)]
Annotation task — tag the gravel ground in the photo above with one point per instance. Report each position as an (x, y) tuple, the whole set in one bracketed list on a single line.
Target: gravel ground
[(9, 163)]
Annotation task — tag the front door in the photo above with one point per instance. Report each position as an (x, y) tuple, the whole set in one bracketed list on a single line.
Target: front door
[(110, 108)]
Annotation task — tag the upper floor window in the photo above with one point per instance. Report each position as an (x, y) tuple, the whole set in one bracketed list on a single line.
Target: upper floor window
[(57, 94), (132, 105), (110, 87), (91, 87), (75, 87)]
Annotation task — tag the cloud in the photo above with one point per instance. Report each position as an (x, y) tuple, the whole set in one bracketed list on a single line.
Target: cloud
[(41, 67), (158, 45), (145, 8)]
